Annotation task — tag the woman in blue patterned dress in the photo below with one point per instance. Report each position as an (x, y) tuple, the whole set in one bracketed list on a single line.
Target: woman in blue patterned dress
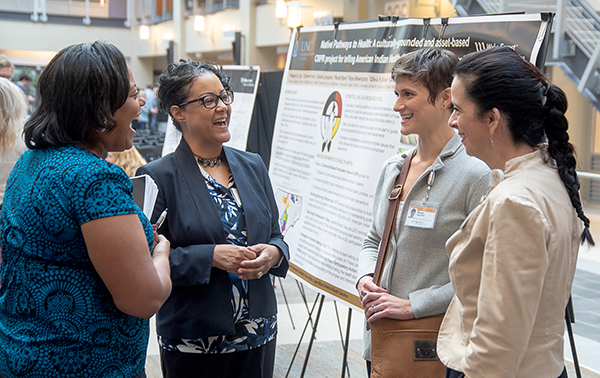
[(78, 276), (220, 320)]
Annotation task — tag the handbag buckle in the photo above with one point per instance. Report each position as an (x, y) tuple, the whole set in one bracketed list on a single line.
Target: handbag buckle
[(424, 350), (395, 193)]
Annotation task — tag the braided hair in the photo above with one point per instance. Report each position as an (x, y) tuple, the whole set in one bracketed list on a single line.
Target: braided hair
[(534, 109)]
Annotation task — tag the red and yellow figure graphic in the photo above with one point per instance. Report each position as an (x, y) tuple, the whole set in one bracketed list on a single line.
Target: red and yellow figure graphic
[(330, 119)]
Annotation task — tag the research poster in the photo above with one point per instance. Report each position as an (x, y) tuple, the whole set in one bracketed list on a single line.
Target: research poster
[(244, 83), (335, 127)]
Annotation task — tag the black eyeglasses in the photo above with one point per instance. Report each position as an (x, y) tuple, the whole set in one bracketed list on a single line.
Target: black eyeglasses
[(210, 101)]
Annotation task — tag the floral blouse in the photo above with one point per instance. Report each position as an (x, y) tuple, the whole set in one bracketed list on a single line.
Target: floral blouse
[(250, 333)]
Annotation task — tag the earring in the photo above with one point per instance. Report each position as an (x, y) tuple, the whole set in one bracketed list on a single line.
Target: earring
[(102, 128), (492, 140)]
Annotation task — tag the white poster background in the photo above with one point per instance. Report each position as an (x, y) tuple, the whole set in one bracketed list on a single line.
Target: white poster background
[(241, 109), (334, 187)]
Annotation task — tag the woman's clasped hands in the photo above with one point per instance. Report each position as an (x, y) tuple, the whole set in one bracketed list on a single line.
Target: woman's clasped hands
[(248, 262), (378, 303)]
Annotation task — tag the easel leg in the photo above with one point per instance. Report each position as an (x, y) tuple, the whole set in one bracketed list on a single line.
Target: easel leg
[(286, 302), (312, 337), (308, 321), (337, 316), (346, 345), (570, 318), (303, 294)]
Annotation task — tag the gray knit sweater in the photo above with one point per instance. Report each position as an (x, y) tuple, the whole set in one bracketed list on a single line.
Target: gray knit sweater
[(417, 264)]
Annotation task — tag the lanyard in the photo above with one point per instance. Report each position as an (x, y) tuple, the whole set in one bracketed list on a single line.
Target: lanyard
[(430, 181)]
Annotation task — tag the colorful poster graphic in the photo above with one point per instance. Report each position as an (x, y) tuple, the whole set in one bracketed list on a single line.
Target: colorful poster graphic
[(330, 120), (290, 208)]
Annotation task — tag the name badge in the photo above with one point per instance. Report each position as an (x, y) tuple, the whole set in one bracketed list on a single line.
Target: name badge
[(421, 215)]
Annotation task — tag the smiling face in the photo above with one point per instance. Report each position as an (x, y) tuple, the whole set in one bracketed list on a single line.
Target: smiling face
[(473, 131), (417, 114), (209, 127), (121, 137)]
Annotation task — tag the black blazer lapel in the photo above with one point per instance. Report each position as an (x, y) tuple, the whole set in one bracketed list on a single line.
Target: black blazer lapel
[(205, 211), (247, 175)]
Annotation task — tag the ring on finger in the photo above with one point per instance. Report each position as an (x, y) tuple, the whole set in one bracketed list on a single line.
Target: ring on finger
[(259, 275), (374, 308)]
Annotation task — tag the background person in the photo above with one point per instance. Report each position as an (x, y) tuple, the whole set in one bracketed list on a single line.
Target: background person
[(512, 264), (152, 105), (144, 118), (415, 281), (23, 84), (78, 276), (130, 160), (223, 225), (13, 113), (6, 67)]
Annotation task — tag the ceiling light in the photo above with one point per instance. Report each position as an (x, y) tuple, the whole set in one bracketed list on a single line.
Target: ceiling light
[(199, 23), (144, 32), (294, 17), (280, 9)]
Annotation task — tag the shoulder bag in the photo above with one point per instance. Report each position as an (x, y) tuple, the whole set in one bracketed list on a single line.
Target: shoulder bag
[(402, 348)]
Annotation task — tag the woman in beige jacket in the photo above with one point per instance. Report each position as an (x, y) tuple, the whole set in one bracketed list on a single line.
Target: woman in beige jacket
[(512, 262), (441, 177)]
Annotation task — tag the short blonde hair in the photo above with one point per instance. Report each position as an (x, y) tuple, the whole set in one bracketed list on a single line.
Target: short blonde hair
[(430, 67), (13, 113), (130, 160)]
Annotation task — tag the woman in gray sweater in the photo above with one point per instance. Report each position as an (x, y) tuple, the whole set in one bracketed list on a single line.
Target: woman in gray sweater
[(442, 180)]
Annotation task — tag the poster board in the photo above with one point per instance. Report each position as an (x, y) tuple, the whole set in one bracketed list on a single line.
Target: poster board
[(335, 127), (244, 83)]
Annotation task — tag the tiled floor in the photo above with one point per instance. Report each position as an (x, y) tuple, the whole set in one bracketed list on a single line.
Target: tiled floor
[(326, 356), (327, 353), (586, 299)]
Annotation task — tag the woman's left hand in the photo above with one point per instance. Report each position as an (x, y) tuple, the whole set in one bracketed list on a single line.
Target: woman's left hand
[(385, 305), (267, 257)]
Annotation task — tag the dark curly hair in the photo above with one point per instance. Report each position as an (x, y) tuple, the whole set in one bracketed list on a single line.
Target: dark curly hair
[(80, 90), (534, 108), (175, 82)]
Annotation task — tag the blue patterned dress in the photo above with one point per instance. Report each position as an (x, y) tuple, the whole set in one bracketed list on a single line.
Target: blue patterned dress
[(57, 318), (250, 333)]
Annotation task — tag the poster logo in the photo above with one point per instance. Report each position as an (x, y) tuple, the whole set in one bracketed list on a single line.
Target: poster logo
[(330, 119), (306, 46), (295, 50)]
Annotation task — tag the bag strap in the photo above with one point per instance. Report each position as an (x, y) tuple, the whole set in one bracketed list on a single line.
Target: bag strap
[(390, 220)]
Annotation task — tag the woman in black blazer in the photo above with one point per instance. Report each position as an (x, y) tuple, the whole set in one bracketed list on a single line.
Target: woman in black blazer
[(223, 224)]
